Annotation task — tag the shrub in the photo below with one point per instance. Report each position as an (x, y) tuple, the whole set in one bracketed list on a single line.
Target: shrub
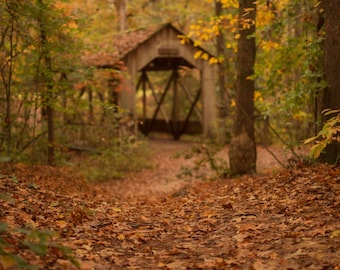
[(329, 133)]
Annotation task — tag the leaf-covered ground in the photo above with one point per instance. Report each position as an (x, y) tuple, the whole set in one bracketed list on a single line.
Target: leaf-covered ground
[(289, 219)]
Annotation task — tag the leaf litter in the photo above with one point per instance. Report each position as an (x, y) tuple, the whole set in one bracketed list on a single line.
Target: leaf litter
[(289, 219)]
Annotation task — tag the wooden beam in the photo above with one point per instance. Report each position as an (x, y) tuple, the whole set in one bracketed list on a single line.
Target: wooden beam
[(144, 79), (139, 82), (160, 103), (193, 105), (166, 118), (175, 107), (208, 81), (192, 100)]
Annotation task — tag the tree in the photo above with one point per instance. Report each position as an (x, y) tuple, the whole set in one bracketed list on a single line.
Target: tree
[(220, 50), (287, 69), (242, 151), (330, 96), (53, 51), (222, 75), (37, 52), (48, 80), (7, 46), (121, 10)]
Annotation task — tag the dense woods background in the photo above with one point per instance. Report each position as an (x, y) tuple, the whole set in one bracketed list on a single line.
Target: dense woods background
[(52, 100)]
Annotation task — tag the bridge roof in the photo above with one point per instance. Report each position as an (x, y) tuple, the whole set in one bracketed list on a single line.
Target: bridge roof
[(112, 52)]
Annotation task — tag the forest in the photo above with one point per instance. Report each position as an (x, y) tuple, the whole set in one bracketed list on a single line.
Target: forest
[(216, 149)]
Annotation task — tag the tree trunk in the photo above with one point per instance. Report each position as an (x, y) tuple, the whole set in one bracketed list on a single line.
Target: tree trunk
[(6, 74), (8, 118), (48, 94), (242, 151), (223, 105), (121, 10), (330, 96)]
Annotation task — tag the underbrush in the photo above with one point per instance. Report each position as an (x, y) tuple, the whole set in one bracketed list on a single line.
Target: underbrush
[(206, 163), (116, 161), (35, 243)]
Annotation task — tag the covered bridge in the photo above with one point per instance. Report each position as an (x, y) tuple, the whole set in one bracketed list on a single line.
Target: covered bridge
[(158, 50)]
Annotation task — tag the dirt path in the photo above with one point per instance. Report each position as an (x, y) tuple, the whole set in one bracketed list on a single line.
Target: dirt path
[(168, 159), (154, 220)]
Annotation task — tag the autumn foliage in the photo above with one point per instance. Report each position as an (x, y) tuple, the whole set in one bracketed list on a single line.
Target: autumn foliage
[(289, 219)]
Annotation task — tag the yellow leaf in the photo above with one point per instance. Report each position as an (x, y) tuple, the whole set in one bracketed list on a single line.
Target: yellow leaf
[(213, 60), (197, 43), (121, 237), (311, 139), (215, 29), (317, 149), (229, 3), (237, 36), (257, 96), (61, 224), (205, 37), (335, 233), (247, 10), (205, 56), (197, 54), (87, 247)]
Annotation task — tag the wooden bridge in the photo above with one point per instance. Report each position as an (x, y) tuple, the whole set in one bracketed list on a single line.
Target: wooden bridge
[(157, 50)]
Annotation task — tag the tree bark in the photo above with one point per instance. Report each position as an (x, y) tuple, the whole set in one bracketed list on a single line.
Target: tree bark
[(6, 74), (48, 94), (242, 153), (224, 102), (121, 10), (220, 48), (330, 96)]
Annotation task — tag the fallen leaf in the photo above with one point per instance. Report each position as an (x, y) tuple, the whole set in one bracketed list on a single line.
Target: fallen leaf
[(121, 237), (61, 224)]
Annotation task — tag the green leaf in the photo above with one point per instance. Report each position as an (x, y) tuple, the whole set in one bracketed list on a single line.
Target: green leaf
[(54, 204), (21, 263), (3, 227), (33, 185), (5, 159), (6, 197), (37, 248), (14, 179)]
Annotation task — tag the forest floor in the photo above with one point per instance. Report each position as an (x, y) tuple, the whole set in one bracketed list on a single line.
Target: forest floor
[(276, 219)]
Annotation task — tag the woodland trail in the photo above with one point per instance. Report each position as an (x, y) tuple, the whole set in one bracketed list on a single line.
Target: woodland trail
[(168, 159), (289, 219)]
